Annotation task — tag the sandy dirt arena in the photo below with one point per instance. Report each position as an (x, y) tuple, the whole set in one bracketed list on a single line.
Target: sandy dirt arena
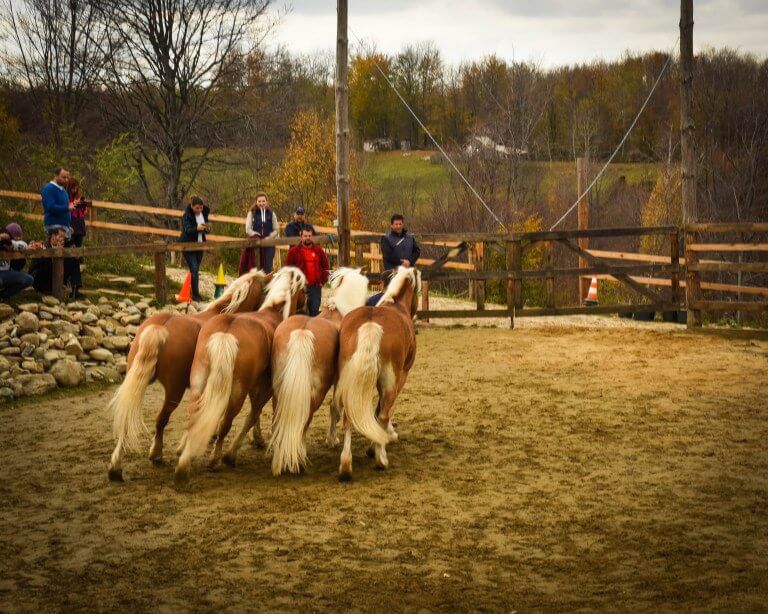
[(540, 468)]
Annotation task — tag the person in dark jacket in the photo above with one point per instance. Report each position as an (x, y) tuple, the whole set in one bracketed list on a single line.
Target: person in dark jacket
[(299, 222), (260, 223), (56, 207), (194, 227), (41, 269), (313, 262), (398, 246)]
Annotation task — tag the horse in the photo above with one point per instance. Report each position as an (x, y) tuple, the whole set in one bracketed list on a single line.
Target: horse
[(377, 348), (232, 361), (163, 350), (304, 354)]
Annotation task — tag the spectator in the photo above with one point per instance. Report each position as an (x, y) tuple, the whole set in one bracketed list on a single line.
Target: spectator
[(42, 268), (56, 207), (299, 222), (194, 227), (79, 208), (12, 279), (398, 246), (260, 222), (313, 262)]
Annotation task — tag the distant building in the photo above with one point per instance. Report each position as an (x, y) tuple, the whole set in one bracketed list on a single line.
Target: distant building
[(486, 145), (378, 145)]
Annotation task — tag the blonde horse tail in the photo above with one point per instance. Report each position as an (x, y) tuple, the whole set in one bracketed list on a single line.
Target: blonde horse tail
[(357, 384), (293, 390), (128, 425), (211, 404)]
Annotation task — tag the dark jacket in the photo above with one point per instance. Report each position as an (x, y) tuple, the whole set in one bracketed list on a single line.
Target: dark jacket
[(397, 247), (189, 225), (293, 228)]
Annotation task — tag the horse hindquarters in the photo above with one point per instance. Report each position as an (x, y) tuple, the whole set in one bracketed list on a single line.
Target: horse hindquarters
[(292, 386), (125, 405)]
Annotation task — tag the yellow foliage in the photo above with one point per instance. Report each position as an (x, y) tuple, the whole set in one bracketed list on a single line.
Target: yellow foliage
[(664, 208)]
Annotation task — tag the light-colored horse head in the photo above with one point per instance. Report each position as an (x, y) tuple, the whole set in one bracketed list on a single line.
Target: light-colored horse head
[(350, 289), (286, 289), (238, 291), (404, 279)]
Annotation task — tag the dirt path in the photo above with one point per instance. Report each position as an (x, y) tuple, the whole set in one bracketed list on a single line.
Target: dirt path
[(545, 469)]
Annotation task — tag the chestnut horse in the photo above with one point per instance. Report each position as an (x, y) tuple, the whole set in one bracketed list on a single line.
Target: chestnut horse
[(304, 354), (377, 347), (163, 350), (232, 361)]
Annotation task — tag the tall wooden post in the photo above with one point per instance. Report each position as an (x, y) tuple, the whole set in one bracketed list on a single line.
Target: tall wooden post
[(686, 119), (342, 133), (583, 216), (509, 265), (692, 283)]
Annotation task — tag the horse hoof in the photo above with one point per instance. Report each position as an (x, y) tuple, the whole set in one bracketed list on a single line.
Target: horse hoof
[(393, 437), (214, 466), (380, 467), (115, 475), (157, 461), (229, 460), (370, 452), (181, 478), (345, 476)]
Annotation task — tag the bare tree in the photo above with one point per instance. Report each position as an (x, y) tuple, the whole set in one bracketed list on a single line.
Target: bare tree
[(55, 49), (168, 60)]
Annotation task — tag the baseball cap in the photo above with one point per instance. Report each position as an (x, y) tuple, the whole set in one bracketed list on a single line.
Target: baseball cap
[(300, 210), (14, 230)]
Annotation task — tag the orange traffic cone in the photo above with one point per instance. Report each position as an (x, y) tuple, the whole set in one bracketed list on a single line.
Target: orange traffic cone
[(185, 294), (591, 300)]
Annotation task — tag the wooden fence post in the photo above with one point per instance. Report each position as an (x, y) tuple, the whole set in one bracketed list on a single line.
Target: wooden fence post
[(359, 262), (550, 279), (425, 299), (57, 277), (674, 252), (376, 264), (517, 267), (480, 284), (161, 284), (92, 218), (472, 259), (692, 282), (509, 265)]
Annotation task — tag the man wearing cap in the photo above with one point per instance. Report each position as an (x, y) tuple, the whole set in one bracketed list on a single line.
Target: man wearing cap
[(299, 222), (12, 279), (312, 261)]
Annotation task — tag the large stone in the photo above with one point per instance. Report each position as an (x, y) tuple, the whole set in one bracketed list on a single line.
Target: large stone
[(130, 319), (60, 327), (89, 318), (29, 307), (103, 300), (68, 373), (10, 351), (121, 366), (27, 322), (101, 355), (32, 366), (73, 347), (53, 355), (36, 384), (88, 342), (110, 375), (95, 332), (44, 315), (143, 306), (6, 395), (31, 339), (4, 363), (77, 306), (50, 300), (6, 311), (119, 343)]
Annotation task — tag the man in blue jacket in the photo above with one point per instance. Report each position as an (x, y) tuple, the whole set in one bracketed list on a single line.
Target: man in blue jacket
[(398, 246), (56, 208)]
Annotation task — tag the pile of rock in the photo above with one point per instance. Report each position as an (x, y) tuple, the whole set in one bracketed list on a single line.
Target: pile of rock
[(49, 344)]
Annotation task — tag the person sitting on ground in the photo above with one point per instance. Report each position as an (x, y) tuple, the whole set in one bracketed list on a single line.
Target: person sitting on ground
[(312, 261), (398, 246), (195, 226), (41, 269), (12, 278), (299, 222), (57, 210)]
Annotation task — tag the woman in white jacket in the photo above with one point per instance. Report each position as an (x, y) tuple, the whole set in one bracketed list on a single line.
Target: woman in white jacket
[(260, 222)]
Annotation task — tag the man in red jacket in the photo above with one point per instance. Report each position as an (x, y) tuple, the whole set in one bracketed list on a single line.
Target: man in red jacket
[(313, 262)]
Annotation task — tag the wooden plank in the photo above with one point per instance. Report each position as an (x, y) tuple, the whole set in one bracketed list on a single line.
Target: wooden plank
[(602, 253), (729, 305), (728, 227), (729, 267), (161, 283), (465, 313), (442, 261), (674, 255), (727, 247), (57, 276), (692, 281), (517, 269), (480, 284), (620, 277), (535, 312), (705, 285)]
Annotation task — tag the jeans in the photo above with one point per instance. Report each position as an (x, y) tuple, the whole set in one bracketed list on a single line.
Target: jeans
[(314, 293), (13, 282), (193, 262), (267, 257)]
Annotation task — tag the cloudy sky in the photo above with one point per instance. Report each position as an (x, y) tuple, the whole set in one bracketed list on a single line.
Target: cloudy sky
[(550, 32)]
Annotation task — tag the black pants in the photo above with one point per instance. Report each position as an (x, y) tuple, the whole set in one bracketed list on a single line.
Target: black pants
[(193, 262), (314, 294)]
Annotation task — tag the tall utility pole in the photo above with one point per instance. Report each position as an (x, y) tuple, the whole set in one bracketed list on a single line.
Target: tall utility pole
[(686, 119), (342, 132), (583, 221)]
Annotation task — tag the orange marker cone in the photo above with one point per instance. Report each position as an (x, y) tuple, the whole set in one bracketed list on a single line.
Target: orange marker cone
[(591, 300), (185, 294)]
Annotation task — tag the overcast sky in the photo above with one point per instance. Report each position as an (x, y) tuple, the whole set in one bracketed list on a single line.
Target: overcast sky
[(550, 32)]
